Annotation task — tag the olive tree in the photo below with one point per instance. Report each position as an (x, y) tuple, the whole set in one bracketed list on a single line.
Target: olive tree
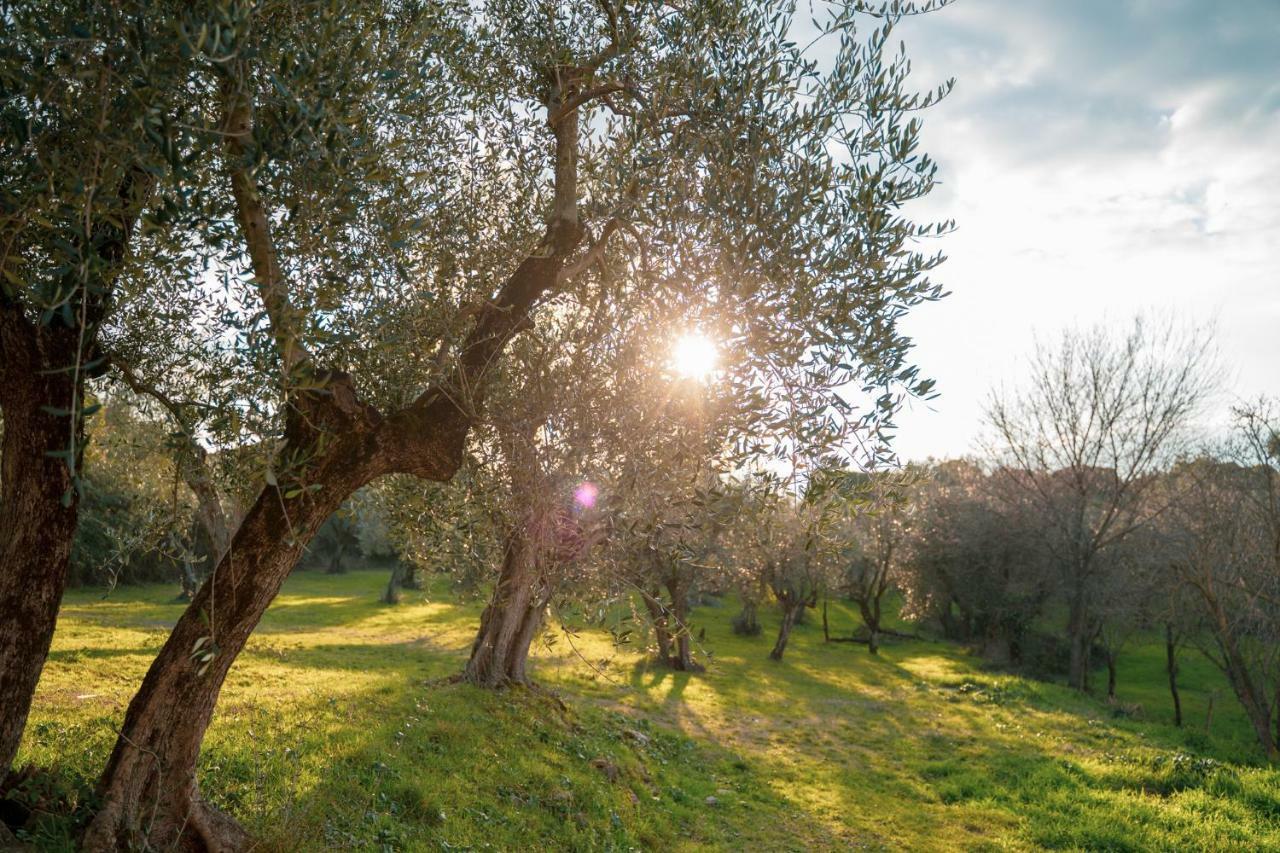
[(92, 124), (389, 213)]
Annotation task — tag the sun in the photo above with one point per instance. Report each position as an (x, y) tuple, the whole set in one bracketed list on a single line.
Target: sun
[(694, 356)]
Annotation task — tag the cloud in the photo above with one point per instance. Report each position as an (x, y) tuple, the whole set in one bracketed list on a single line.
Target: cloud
[(1100, 158)]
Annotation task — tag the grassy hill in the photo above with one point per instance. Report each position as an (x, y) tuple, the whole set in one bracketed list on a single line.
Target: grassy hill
[(334, 731)]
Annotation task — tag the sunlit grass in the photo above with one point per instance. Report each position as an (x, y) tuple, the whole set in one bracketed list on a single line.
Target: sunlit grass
[(333, 731)]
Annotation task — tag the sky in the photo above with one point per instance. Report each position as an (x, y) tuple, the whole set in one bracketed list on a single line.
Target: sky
[(1100, 158)]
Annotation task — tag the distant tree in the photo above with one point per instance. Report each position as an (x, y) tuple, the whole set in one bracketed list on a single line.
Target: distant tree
[(1084, 443), (974, 561), (781, 538), (876, 541), (1226, 540)]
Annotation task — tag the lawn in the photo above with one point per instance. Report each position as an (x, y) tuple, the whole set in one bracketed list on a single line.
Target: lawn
[(336, 730)]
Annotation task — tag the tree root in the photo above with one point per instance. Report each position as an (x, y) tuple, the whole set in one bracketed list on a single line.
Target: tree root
[(204, 829)]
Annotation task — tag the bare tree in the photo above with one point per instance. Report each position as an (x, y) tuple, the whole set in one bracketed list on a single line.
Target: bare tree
[(1083, 441), (1226, 527)]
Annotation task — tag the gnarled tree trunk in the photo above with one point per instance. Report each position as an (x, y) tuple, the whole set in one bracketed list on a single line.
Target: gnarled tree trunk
[(870, 610), (392, 593), (42, 373), (512, 619), (148, 789), (681, 659), (37, 508)]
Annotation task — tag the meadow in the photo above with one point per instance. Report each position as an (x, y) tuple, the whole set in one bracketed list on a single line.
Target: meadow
[(339, 729)]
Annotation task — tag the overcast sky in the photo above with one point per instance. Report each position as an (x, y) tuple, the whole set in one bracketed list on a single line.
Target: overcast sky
[(1100, 157)]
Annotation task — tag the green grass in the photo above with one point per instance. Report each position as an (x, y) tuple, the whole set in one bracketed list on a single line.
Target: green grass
[(332, 733)]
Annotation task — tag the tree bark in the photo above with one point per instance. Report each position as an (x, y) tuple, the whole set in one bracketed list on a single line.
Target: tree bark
[(1255, 706), (789, 614), (747, 622), (43, 366), (38, 508), (148, 790), (1171, 667), (1111, 675), (500, 653)]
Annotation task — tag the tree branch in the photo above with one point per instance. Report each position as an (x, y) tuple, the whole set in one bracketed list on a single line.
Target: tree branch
[(255, 225)]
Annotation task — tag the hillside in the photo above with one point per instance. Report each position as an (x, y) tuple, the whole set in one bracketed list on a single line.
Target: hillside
[(336, 730)]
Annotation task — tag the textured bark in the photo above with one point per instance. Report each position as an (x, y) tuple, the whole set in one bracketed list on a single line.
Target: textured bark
[(681, 658), (36, 525), (512, 619), (42, 373), (148, 789)]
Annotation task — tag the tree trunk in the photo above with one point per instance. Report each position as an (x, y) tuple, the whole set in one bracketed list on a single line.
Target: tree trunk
[(789, 614), (409, 576), (500, 653), (826, 629), (392, 593), (950, 629), (37, 526), (42, 374), (1255, 706), (1079, 637), (1171, 667), (682, 660), (871, 618), (658, 616), (747, 622), (148, 789), (1111, 675)]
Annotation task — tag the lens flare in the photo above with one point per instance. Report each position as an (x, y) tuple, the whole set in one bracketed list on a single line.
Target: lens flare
[(585, 495)]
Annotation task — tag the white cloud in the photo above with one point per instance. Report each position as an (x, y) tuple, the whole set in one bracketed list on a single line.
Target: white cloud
[(1100, 159)]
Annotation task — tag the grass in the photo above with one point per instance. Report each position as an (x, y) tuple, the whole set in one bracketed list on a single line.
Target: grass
[(332, 733)]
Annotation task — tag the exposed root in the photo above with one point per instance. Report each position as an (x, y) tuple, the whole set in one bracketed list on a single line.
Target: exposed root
[(203, 829)]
